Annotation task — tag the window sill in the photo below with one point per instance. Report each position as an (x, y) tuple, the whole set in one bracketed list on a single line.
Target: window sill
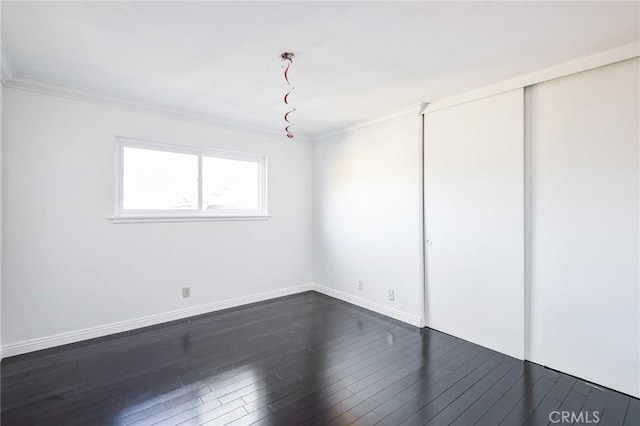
[(194, 218)]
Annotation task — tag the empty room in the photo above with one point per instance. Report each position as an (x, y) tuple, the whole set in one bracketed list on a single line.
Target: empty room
[(320, 213)]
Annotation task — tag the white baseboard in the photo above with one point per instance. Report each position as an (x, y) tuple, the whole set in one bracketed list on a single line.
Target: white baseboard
[(366, 304), (118, 327), (31, 345)]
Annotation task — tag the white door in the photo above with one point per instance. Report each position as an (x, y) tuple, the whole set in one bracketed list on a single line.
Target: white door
[(584, 301), (474, 226)]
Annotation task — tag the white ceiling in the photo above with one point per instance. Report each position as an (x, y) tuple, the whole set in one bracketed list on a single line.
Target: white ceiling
[(354, 61)]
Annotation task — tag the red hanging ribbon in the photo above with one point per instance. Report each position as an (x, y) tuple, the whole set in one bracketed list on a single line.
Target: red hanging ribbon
[(287, 57)]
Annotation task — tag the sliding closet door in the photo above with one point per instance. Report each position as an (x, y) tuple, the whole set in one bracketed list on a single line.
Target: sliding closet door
[(474, 221), (584, 302)]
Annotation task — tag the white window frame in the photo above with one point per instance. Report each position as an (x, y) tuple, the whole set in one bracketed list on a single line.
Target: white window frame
[(122, 215)]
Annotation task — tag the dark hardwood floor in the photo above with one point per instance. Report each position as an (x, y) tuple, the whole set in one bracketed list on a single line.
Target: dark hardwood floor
[(304, 359)]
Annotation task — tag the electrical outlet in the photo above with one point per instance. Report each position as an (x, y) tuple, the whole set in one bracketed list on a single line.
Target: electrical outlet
[(391, 295), (360, 284), (186, 291)]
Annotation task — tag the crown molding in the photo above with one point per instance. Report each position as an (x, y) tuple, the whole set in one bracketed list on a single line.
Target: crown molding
[(32, 84), (11, 78), (15, 80), (586, 63), (413, 110)]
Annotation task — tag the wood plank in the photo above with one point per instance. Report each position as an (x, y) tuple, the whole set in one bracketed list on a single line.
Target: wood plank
[(301, 359)]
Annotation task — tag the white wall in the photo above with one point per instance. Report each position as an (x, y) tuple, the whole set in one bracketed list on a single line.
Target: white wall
[(367, 217), (67, 267), (1, 233), (1, 196), (585, 235), (474, 206)]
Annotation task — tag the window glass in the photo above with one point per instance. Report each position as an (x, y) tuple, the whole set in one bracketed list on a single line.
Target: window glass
[(159, 180), (229, 184)]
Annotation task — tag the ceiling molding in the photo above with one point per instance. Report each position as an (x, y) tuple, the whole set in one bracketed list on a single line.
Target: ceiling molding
[(7, 71), (608, 57), (15, 80), (12, 79), (411, 111)]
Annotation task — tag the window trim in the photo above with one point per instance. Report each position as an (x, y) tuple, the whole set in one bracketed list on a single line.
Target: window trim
[(196, 215)]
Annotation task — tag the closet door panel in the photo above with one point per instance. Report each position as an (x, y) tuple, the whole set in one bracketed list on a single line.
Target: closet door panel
[(474, 209), (584, 297)]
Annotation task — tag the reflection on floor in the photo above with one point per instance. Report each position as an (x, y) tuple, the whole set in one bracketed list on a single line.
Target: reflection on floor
[(306, 359)]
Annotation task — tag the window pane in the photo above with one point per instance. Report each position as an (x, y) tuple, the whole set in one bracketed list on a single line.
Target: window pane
[(229, 184), (159, 180)]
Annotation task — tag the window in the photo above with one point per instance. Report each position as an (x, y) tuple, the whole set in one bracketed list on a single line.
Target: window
[(163, 182)]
